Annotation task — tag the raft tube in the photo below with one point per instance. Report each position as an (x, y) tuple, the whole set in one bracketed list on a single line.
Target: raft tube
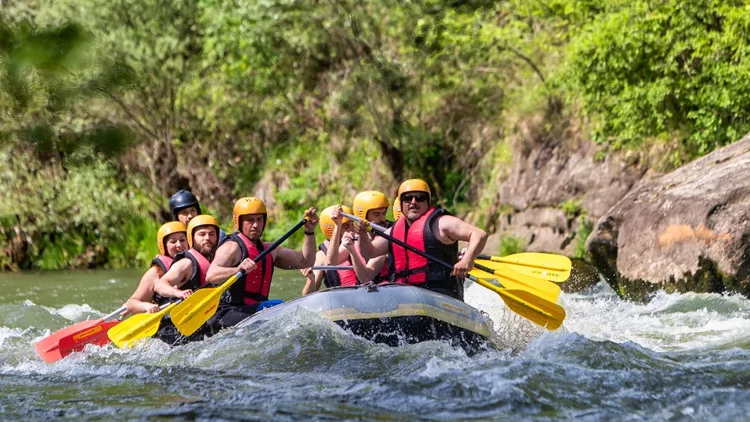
[(393, 314)]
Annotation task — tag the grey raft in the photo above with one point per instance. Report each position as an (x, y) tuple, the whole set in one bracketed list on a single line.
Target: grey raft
[(393, 314)]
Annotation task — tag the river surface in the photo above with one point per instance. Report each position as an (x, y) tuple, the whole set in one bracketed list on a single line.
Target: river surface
[(680, 357)]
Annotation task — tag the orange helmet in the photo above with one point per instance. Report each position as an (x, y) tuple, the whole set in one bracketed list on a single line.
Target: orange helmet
[(414, 185), (368, 200), (326, 222), (396, 210), (165, 230), (247, 206), (198, 221)]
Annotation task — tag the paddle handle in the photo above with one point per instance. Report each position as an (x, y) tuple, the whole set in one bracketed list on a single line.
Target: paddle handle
[(333, 267), (115, 314)]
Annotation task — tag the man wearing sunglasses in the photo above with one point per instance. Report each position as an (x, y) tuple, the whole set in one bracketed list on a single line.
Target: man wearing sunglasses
[(432, 230)]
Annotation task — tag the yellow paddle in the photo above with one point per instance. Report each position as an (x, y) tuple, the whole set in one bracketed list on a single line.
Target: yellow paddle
[(514, 280), (543, 265), (201, 305), (137, 327), (523, 302), (539, 311)]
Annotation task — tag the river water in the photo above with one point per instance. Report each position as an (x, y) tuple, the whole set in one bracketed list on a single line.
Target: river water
[(680, 357)]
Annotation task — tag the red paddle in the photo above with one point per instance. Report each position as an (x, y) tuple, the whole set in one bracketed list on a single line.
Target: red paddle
[(74, 338)]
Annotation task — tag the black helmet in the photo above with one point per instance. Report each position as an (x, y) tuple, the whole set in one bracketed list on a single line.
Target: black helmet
[(181, 200)]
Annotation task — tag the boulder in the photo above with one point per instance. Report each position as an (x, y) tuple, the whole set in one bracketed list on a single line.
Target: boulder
[(688, 230), (547, 175)]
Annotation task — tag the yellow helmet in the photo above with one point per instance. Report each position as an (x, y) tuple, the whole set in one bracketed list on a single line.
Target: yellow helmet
[(414, 185), (326, 222), (246, 206), (368, 200), (165, 230), (198, 221), (396, 210)]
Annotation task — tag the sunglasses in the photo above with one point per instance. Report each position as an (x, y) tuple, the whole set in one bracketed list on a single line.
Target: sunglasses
[(408, 197)]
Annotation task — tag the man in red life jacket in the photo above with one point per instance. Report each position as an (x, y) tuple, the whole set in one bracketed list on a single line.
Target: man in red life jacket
[(371, 206), (432, 230), (331, 278), (171, 240), (187, 273), (238, 251)]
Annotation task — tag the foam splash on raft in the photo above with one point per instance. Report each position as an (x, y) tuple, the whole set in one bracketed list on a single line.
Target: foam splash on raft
[(512, 331)]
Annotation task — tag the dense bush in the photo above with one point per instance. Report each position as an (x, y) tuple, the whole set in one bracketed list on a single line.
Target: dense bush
[(306, 103)]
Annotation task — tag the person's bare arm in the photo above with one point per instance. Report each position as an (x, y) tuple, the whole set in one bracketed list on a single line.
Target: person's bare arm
[(290, 259), (141, 300), (451, 230), (177, 275), (313, 277), (370, 248), (365, 271), (337, 253), (225, 263)]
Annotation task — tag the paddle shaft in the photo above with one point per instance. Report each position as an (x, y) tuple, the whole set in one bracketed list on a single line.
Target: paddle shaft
[(115, 314)]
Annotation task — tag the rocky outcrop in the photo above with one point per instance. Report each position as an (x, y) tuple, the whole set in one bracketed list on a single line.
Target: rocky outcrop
[(554, 193), (688, 230), (551, 185)]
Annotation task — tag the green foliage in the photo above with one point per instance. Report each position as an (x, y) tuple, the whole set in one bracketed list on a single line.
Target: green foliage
[(510, 245), (670, 70), (584, 231), (571, 208), (307, 103), (82, 217), (43, 79)]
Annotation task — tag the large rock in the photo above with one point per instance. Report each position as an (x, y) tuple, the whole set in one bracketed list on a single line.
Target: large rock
[(555, 190), (547, 175), (688, 230)]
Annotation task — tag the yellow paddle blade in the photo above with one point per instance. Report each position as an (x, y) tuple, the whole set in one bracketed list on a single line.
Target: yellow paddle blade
[(198, 308), (550, 275), (513, 280), (543, 265), (137, 327), (537, 310)]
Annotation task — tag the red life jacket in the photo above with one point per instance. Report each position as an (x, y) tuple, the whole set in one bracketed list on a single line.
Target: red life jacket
[(336, 278), (200, 268), (414, 269), (197, 277), (254, 286), (163, 262), (387, 273)]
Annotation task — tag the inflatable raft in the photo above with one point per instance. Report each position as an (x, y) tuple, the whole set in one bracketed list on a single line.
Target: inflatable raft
[(393, 314)]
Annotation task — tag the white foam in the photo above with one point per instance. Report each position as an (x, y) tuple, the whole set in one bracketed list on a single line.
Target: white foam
[(669, 322), (73, 312), (10, 333)]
